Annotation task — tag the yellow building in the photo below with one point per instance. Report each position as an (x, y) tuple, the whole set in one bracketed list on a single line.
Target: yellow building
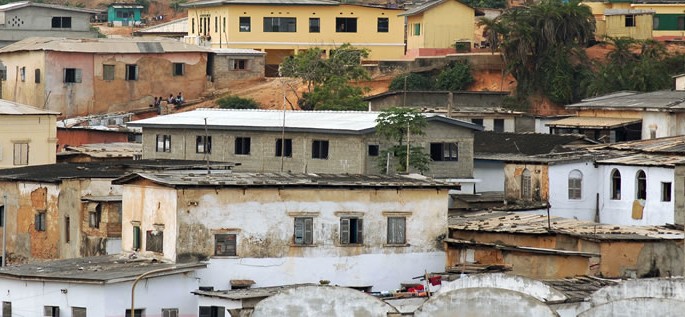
[(435, 27), (28, 135), (617, 23), (668, 20), (283, 28)]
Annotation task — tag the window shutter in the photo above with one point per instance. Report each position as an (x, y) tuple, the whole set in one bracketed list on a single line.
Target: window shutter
[(299, 231), (360, 231), (324, 149), (36, 222), (64, 75), (345, 231), (77, 75), (308, 231), (135, 72)]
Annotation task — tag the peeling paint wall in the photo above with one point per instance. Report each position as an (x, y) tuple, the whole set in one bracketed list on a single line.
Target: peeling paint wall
[(531, 287), (637, 307), (641, 288), (539, 186)]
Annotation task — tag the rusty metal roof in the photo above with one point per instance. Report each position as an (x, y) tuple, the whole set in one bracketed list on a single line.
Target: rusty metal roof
[(241, 180), (593, 122), (105, 150), (642, 159), (667, 145), (131, 45), (524, 223)]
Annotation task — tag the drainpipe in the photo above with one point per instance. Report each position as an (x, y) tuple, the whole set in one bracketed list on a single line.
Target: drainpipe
[(141, 276), (4, 230)]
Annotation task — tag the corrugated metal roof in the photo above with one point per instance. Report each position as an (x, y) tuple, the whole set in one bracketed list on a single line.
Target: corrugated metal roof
[(668, 145), (211, 3), (523, 223), (343, 122), (231, 179), (23, 4), (645, 160), (175, 26), (592, 122), (13, 108), (255, 292), (610, 12), (663, 100), (105, 150), (421, 8), (237, 51), (135, 45)]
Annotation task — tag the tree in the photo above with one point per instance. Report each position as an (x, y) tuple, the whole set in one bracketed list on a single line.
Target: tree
[(414, 82), (456, 76), (396, 125), (328, 78), (235, 102)]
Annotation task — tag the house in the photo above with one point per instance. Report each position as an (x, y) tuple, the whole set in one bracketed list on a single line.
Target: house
[(27, 135), (124, 14), (79, 77), (626, 116), (99, 286), (363, 231), (550, 247), (439, 27), (617, 23), (294, 25), (667, 17), (315, 141), (234, 65), (23, 19), (479, 107), (176, 29), (106, 128), (67, 210)]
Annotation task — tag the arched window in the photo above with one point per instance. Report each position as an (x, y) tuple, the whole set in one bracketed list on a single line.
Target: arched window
[(641, 185), (615, 184), (525, 184), (575, 184)]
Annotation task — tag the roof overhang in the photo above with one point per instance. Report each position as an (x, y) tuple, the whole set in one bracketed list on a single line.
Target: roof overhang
[(593, 122)]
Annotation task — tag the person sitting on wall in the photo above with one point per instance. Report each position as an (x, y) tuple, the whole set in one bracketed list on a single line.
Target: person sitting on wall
[(171, 99), (179, 99)]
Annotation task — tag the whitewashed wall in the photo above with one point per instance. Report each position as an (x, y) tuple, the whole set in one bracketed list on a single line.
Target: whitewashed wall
[(561, 205), (491, 174)]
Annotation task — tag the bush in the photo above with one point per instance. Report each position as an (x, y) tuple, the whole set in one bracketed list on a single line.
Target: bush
[(235, 102), (456, 76), (414, 82)]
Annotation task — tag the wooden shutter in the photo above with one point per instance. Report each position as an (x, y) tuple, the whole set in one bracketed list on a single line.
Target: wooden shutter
[(360, 231), (299, 231), (77, 75), (308, 231), (345, 231)]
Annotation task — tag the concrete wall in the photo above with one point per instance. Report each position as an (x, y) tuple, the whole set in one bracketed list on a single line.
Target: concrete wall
[(657, 307), (679, 194), (531, 287), (539, 176), (111, 300), (263, 220), (491, 174), (642, 258), (437, 99), (619, 211), (223, 73), (484, 302), (322, 301), (641, 288), (561, 206), (34, 21), (39, 131)]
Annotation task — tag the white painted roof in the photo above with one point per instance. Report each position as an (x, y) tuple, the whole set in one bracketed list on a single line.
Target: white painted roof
[(175, 26), (13, 108)]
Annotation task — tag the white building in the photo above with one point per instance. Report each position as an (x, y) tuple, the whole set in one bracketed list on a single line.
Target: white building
[(279, 228)]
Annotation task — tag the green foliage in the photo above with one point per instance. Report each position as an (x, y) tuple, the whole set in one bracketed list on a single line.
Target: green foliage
[(176, 5), (415, 82), (144, 3), (495, 4), (328, 80), (235, 102), (394, 125), (456, 76)]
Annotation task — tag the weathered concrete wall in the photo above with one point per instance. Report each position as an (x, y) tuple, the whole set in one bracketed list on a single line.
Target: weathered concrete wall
[(484, 302), (224, 73), (641, 288), (539, 185), (662, 258), (679, 195), (653, 307), (438, 99), (23, 88), (322, 301), (34, 21), (583, 208), (531, 287)]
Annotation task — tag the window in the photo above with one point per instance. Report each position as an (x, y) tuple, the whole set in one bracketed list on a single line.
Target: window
[(178, 69), (351, 231), (346, 25), (169, 312), (131, 72), (163, 143), (242, 146), (61, 22), (78, 312), (136, 238), (7, 309), (314, 25), (238, 64), (374, 150), (280, 24), (139, 312), (320, 149), (383, 25), (211, 311), (225, 244), (21, 154), (397, 228), (67, 233), (216, 24), (499, 125), (124, 14), (288, 147), (2, 216), (665, 191), (417, 29), (478, 121), (641, 185), (52, 311), (575, 182), (94, 215), (224, 27), (72, 75), (39, 221), (304, 231), (655, 23), (203, 144), (245, 24), (444, 151), (107, 72), (681, 23), (525, 184), (630, 20), (154, 241), (36, 76), (615, 185)]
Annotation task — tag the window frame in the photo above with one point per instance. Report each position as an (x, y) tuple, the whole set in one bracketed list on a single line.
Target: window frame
[(320, 149), (630, 20), (154, 241), (203, 144), (6, 308), (526, 184), (666, 193), (21, 154), (178, 69), (137, 238), (36, 76), (283, 25), (373, 150), (348, 231), (169, 312), (244, 24), (164, 141), (444, 151), (40, 221), (344, 25), (138, 312), (67, 229), (51, 311), (315, 27), (239, 64), (383, 27), (395, 235), (288, 147), (575, 185), (95, 216), (498, 125), (242, 145), (226, 237), (641, 185), (79, 311), (72, 75), (416, 29), (131, 72), (108, 72), (615, 184), (305, 230), (60, 22)]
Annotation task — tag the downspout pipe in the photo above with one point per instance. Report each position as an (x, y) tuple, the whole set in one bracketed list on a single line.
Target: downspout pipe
[(140, 277)]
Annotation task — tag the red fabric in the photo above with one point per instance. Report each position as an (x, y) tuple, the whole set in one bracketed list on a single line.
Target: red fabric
[(435, 280)]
